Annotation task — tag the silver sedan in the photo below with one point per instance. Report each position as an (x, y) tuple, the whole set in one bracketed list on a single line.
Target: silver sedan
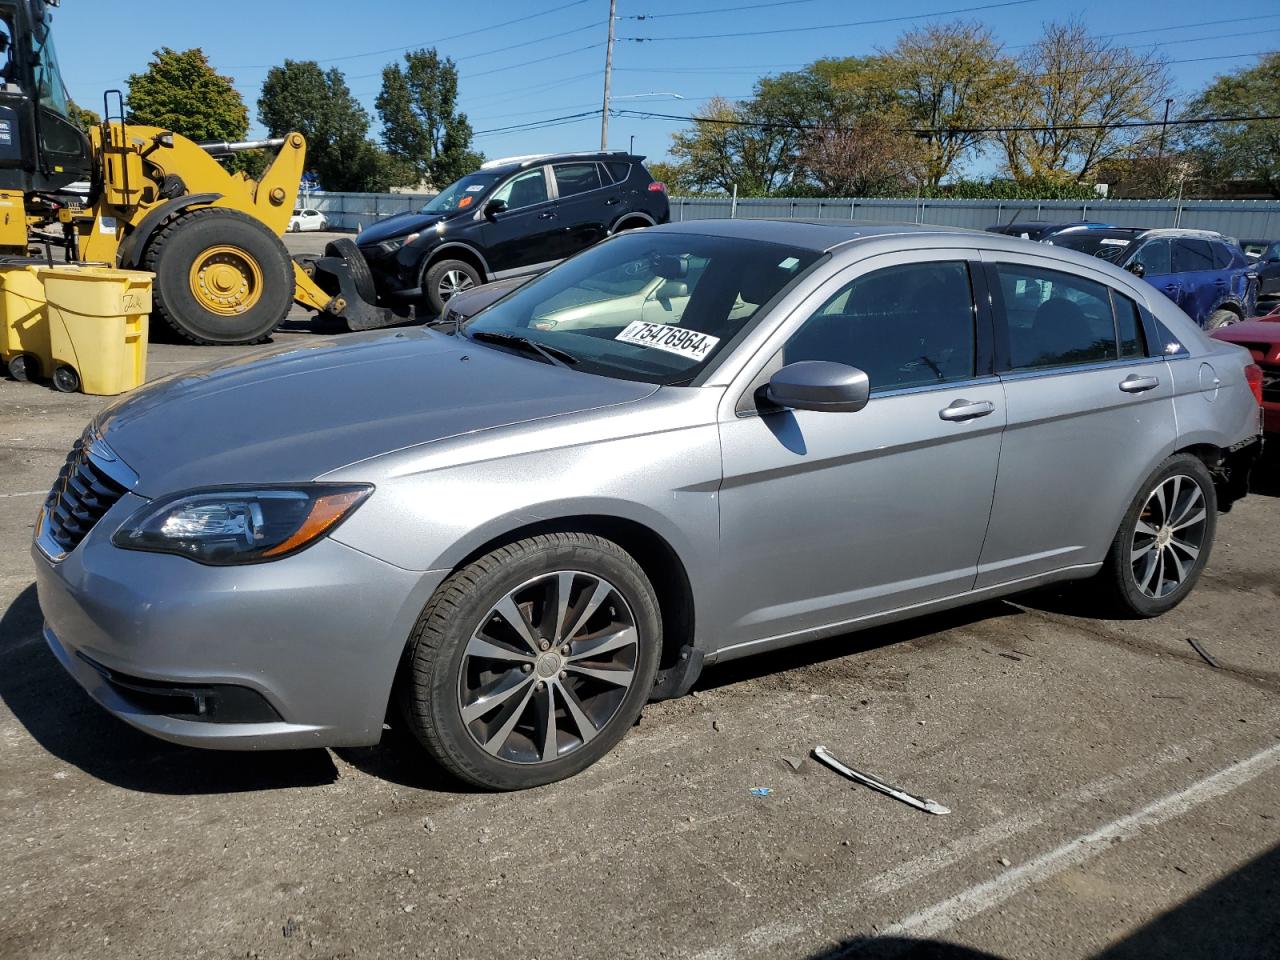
[(685, 445)]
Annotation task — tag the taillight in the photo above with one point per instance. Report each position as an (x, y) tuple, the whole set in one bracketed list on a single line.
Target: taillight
[(657, 187), (1253, 375)]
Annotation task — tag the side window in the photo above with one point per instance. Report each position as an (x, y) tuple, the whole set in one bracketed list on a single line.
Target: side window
[(905, 326), (1055, 319), (523, 190), (1154, 256), (1191, 255), (618, 170), (1128, 326), (573, 178), (1223, 256)]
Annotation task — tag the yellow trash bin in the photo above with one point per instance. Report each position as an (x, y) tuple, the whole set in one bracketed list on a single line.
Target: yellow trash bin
[(97, 327), (24, 323)]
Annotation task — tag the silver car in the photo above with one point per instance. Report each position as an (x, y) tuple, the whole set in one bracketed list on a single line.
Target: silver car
[(510, 536)]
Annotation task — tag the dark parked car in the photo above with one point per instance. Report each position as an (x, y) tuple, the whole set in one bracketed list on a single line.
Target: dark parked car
[(1204, 273), (1041, 230), (511, 217), (1268, 267)]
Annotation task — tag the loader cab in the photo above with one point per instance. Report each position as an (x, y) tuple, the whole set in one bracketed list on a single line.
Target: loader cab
[(41, 148)]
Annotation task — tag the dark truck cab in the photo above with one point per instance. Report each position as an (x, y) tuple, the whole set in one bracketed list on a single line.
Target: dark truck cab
[(512, 217)]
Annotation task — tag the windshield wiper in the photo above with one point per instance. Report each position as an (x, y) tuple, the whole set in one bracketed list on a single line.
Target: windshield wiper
[(553, 355)]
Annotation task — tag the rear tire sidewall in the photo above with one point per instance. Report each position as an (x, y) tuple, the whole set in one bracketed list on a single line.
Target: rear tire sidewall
[(438, 721), (1221, 318), (1120, 568), (172, 254), (431, 282)]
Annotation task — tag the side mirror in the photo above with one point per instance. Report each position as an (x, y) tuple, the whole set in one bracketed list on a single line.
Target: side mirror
[(1137, 269), (819, 385), (495, 207)]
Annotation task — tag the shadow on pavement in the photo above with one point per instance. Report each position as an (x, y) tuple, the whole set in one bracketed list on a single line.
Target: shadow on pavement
[(901, 948), (62, 718), (1236, 918), (1265, 478)]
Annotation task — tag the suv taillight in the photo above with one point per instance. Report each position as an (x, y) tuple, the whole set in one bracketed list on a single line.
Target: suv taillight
[(1253, 376), (657, 187)]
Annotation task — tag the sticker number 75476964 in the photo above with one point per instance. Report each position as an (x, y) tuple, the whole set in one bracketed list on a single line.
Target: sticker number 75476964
[(672, 339)]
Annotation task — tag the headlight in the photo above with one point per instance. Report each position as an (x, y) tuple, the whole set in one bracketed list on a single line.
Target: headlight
[(228, 526)]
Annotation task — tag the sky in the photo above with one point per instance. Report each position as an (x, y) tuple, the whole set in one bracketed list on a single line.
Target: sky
[(663, 63)]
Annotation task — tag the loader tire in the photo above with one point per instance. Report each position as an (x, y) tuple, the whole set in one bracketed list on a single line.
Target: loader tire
[(221, 277), (358, 267)]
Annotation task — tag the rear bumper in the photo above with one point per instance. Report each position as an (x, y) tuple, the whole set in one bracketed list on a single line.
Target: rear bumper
[(300, 652)]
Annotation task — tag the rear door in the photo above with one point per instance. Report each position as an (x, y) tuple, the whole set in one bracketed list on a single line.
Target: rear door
[(1156, 258), (1090, 412), (1202, 285), (588, 199), (526, 236)]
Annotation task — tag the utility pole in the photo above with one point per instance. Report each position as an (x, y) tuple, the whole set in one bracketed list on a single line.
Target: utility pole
[(1165, 126), (608, 76)]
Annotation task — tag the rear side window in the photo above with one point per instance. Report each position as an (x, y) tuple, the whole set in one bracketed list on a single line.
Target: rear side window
[(574, 178), (905, 326), (618, 170), (1192, 255), (1055, 319), (1223, 256), (1128, 326)]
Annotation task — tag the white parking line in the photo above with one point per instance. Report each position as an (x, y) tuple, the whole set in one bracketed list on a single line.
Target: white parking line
[(24, 493), (945, 914)]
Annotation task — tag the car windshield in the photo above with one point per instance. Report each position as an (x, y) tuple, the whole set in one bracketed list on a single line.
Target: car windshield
[(646, 306), (461, 193), (1096, 243)]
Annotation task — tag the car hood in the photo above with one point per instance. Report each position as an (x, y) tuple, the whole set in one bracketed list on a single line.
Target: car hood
[(398, 226), (1250, 331), (292, 413)]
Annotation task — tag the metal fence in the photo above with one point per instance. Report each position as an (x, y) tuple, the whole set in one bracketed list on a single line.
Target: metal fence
[(1244, 219)]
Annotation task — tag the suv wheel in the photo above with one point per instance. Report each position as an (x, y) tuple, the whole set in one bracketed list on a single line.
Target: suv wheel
[(1221, 318), (1164, 541), (445, 279), (531, 663)]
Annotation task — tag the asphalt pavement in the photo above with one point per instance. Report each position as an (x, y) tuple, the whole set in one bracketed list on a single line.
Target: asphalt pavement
[(1112, 793)]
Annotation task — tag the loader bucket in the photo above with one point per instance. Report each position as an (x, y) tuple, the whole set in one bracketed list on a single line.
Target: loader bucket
[(342, 273)]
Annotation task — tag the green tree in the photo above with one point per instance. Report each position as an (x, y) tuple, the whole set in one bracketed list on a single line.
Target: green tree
[(180, 91), (953, 81), (82, 117), (1239, 150), (421, 125), (300, 96)]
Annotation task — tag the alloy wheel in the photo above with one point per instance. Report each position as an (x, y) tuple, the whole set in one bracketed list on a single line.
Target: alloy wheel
[(548, 667), (1169, 536), (452, 283)]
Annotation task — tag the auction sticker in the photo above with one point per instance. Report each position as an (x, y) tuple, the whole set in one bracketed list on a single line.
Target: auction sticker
[(672, 339)]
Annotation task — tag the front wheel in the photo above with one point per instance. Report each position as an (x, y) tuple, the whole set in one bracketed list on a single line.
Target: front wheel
[(531, 663), (1164, 541), (446, 279)]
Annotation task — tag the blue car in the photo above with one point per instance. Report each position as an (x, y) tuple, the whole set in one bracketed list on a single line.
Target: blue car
[(1204, 273)]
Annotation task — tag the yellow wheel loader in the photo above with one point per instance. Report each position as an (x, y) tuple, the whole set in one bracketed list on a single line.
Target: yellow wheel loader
[(160, 202)]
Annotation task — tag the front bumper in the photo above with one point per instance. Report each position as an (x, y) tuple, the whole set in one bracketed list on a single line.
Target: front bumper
[(304, 649)]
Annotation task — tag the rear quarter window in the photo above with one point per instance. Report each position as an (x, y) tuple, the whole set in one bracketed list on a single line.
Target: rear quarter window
[(618, 170), (1223, 256)]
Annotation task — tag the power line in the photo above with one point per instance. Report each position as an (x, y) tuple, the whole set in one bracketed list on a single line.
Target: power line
[(1172, 26), (438, 40), (836, 26), (701, 13)]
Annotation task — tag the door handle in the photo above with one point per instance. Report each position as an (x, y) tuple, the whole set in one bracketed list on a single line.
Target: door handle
[(612, 201), (1135, 384), (547, 215), (966, 410)]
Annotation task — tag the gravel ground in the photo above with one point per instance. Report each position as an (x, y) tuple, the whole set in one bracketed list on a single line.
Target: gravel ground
[(1112, 794)]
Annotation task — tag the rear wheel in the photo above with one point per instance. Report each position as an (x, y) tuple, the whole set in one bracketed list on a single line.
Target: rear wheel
[(23, 366), (445, 279), (1221, 318), (529, 664), (221, 277), (1164, 542)]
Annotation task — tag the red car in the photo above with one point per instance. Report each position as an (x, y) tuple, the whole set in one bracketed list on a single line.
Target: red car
[(1262, 336)]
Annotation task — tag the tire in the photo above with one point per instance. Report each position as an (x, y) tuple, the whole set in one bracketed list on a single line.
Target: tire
[(357, 266), (66, 380), (456, 273), (24, 367), (447, 674), (295, 228), (185, 242), (1221, 318), (1123, 572)]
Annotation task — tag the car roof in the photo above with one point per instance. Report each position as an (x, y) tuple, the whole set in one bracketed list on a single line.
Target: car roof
[(820, 235), (510, 164)]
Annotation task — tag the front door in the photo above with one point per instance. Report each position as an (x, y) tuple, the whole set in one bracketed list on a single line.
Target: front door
[(1089, 413), (827, 518), (526, 235)]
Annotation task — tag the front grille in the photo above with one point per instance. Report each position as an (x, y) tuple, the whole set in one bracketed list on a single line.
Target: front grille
[(80, 496)]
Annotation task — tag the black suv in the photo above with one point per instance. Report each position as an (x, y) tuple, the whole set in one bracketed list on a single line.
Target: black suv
[(510, 218)]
